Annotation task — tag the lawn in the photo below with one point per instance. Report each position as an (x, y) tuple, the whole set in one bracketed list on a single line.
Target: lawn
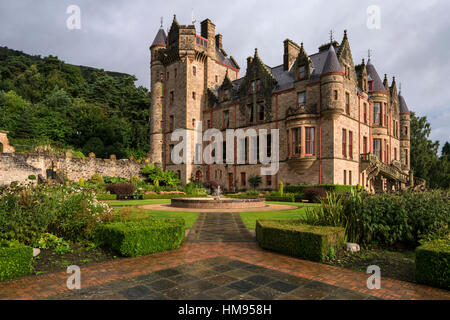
[(119, 203), (249, 218)]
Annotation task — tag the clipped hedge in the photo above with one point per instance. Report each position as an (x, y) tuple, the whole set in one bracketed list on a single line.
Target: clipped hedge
[(140, 237), (106, 196), (284, 198), (327, 187), (170, 196), (433, 263), (15, 260), (299, 240)]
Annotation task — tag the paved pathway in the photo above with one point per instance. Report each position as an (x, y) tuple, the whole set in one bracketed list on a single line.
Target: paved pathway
[(218, 227), (212, 266)]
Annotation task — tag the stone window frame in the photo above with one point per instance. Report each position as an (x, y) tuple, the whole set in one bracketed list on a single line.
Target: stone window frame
[(349, 177), (336, 95), (377, 151), (296, 137), (243, 179), (194, 71), (345, 177), (344, 142), (377, 115), (310, 143), (301, 72), (303, 102), (226, 125), (268, 180), (350, 144), (347, 103), (247, 113), (193, 95), (258, 112), (172, 97), (365, 112)]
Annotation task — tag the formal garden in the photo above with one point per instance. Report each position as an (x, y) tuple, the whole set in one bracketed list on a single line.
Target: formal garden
[(102, 219)]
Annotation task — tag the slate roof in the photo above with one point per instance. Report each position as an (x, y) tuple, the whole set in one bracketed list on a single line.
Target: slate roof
[(331, 63), (284, 78), (403, 106), (225, 60), (373, 76), (160, 37)]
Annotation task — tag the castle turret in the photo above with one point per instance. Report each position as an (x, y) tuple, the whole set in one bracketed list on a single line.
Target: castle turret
[(157, 97), (404, 132), (332, 87)]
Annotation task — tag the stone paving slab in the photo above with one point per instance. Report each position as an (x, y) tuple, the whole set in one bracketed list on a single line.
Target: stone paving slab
[(193, 263), (218, 227), (267, 207)]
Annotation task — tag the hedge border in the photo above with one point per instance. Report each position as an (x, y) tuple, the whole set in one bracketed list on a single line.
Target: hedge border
[(299, 240), (15, 261), (432, 263)]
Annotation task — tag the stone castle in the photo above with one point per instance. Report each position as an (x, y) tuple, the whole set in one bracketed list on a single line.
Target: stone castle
[(338, 122)]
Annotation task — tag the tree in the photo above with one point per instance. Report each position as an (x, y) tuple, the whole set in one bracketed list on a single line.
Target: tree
[(425, 161), (255, 181)]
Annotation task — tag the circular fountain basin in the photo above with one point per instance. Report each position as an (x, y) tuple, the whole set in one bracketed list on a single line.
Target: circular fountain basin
[(211, 203)]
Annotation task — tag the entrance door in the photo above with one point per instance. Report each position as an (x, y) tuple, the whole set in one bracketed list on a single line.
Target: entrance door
[(230, 181), (198, 176)]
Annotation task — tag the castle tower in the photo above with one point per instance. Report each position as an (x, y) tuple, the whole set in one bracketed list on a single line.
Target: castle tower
[(331, 81), (404, 133), (157, 97)]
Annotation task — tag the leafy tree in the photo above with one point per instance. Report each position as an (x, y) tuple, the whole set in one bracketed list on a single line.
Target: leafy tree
[(255, 181), (424, 155)]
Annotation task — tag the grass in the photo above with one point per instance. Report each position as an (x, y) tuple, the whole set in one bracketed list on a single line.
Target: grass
[(133, 213), (119, 203), (249, 218)]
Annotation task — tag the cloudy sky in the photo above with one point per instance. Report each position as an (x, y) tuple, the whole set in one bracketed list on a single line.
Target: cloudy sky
[(115, 35)]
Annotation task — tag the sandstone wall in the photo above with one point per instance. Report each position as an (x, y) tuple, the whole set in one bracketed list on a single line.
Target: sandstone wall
[(18, 166)]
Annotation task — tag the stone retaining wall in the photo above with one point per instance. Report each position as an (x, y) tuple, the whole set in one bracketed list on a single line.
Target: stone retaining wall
[(18, 166)]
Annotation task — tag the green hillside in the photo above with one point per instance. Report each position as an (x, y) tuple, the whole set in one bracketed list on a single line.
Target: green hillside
[(44, 101)]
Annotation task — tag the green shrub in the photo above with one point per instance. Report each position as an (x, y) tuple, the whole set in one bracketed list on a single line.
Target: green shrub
[(106, 196), (122, 190), (170, 196), (386, 219), (15, 260), (280, 188), (140, 237), (32, 177), (299, 240), (433, 263), (287, 197), (78, 216), (328, 187), (97, 179)]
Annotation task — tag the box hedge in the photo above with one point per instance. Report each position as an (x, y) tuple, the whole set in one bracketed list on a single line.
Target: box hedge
[(433, 263), (15, 260), (327, 187), (140, 237), (170, 196), (299, 240), (283, 198)]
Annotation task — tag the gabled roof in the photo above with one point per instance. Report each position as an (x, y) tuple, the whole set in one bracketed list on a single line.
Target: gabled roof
[(373, 76), (332, 62), (403, 106), (160, 38)]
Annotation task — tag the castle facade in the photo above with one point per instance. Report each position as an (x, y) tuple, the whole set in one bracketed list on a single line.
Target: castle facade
[(338, 122)]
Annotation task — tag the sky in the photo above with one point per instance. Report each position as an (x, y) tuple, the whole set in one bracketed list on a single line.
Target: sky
[(407, 39)]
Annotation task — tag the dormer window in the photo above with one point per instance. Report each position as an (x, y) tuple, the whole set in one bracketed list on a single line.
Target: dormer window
[(301, 98), (301, 72), (253, 86), (370, 85), (226, 94)]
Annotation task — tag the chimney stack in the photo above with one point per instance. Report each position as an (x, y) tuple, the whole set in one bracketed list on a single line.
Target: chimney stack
[(219, 41)]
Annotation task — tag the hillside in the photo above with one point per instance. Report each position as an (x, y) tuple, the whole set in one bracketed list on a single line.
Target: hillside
[(45, 101)]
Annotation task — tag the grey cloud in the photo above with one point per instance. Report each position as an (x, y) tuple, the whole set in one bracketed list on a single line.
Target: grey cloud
[(411, 44)]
